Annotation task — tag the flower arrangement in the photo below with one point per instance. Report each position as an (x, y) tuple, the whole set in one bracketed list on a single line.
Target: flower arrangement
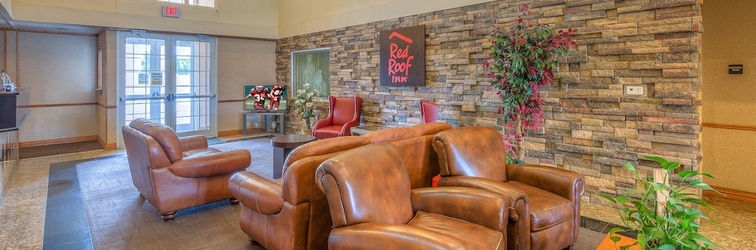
[(303, 105), (521, 62)]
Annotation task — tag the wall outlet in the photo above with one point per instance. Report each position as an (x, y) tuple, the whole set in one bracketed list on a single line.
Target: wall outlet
[(635, 89)]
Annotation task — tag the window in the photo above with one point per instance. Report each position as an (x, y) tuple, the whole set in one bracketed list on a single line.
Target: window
[(206, 3), (311, 66)]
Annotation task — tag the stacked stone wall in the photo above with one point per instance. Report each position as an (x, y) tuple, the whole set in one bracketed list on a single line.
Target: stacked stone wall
[(591, 126)]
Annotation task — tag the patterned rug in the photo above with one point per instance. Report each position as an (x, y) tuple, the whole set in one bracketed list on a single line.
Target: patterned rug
[(119, 218)]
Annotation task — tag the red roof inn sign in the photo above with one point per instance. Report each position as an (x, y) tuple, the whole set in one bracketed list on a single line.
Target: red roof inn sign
[(403, 57)]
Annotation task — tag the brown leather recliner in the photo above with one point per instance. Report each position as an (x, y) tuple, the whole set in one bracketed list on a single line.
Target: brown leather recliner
[(343, 114), (372, 206), (545, 200), (416, 148), (290, 213), (174, 173)]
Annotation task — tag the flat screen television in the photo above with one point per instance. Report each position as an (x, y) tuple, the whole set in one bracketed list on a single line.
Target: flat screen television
[(265, 98)]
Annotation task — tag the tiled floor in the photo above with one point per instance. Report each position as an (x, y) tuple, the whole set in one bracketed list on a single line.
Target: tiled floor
[(23, 208)]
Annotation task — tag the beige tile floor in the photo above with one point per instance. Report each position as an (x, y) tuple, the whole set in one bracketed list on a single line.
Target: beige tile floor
[(22, 208)]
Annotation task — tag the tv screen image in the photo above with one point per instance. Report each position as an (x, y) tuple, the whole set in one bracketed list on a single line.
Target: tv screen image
[(265, 98)]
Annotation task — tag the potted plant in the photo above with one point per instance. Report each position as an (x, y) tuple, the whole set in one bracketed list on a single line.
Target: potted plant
[(663, 213), (520, 64)]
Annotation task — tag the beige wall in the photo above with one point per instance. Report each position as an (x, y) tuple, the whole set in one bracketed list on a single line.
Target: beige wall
[(241, 62), (60, 71), (257, 18), (298, 17), (729, 99)]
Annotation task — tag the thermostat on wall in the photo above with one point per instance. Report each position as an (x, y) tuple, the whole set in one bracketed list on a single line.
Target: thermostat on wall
[(735, 69)]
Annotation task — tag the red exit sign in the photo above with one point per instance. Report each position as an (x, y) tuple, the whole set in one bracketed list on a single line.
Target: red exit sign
[(171, 11)]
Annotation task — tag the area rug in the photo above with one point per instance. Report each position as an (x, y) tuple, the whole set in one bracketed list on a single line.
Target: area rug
[(119, 218)]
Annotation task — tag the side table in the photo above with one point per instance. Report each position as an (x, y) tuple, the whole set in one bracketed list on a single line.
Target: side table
[(282, 146)]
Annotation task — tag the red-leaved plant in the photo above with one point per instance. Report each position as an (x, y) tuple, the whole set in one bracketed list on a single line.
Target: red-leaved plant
[(521, 62)]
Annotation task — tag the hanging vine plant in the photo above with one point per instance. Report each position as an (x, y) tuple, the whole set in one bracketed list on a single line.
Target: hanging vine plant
[(520, 64)]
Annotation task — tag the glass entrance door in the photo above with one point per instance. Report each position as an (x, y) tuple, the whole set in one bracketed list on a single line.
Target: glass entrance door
[(168, 79)]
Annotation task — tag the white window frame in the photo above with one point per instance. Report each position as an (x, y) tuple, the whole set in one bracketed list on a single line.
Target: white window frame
[(188, 2)]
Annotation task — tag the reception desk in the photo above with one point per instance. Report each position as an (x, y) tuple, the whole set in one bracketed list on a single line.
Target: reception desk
[(14, 108)]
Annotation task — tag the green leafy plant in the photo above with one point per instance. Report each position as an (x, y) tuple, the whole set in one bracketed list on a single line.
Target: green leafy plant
[(666, 225), (521, 62), (303, 104)]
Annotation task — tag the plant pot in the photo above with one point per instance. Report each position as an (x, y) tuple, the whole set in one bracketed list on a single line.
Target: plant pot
[(608, 244)]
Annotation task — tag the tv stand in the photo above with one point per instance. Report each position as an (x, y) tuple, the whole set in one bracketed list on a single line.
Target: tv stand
[(266, 122)]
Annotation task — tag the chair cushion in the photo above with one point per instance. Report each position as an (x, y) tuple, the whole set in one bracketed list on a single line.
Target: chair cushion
[(327, 132), (546, 209), (200, 152), (479, 237)]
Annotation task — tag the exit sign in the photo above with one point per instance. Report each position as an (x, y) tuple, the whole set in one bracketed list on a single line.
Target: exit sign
[(171, 11)]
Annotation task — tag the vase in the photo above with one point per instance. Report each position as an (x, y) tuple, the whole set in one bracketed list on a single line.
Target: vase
[(608, 244)]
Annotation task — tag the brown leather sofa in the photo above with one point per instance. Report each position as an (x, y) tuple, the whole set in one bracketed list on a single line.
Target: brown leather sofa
[(545, 200), (372, 206), (343, 114), (174, 173), (416, 148), (290, 213)]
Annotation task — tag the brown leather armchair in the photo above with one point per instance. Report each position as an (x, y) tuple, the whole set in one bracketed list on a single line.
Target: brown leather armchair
[(343, 114), (290, 213), (428, 111), (174, 173), (373, 206), (545, 201)]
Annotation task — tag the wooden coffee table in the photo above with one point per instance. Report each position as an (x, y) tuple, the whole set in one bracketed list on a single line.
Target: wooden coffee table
[(282, 146)]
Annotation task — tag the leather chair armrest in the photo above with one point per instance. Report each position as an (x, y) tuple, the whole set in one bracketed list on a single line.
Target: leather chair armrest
[(193, 142), (565, 183), (209, 165), (256, 193), (516, 198), (477, 206), (390, 236), (346, 129)]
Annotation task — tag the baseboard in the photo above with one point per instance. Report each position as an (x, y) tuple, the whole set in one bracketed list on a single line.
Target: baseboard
[(105, 145), (238, 132), (57, 141), (732, 194), (229, 133)]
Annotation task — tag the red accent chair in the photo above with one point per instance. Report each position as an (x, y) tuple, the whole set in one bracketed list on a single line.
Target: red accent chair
[(428, 111), (343, 114)]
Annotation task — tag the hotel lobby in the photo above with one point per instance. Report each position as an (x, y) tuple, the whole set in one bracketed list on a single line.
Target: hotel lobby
[(644, 78)]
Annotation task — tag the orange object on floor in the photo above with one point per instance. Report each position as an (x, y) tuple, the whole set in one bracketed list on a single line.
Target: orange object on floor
[(607, 244)]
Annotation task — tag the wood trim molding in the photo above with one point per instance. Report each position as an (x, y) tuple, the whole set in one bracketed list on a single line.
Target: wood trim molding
[(57, 141), (105, 145), (105, 106), (732, 194), (60, 105), (229, 133), (226, 101), (728, 126)]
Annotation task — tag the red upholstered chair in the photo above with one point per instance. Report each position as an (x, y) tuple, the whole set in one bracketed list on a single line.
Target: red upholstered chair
[(428, 110), (343, 114)]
